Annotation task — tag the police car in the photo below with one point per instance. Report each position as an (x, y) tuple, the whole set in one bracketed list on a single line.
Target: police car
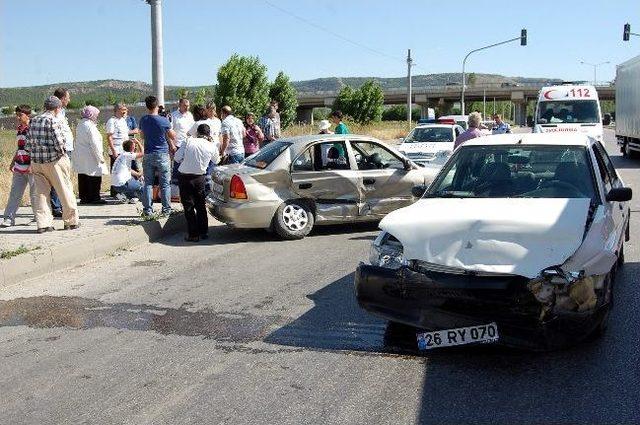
[(569, 108), (430, 145)]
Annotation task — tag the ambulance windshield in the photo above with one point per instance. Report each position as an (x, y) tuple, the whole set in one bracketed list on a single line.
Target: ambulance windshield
[(568, 112)]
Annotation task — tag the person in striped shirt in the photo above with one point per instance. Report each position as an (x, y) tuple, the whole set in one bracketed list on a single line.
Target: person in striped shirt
[(21, 169)]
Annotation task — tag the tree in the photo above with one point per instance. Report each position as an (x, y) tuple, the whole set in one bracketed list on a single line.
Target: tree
[(8, 110), (201, 96), (183, 93), (399, 113), (283, 92), (367, 103), (343, 101), (243, 85)]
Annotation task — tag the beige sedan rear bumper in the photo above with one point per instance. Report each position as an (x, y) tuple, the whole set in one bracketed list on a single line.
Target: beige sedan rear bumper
[(247, 214)]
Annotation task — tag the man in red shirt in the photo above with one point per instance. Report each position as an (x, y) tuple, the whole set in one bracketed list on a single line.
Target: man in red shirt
[(21, 168)]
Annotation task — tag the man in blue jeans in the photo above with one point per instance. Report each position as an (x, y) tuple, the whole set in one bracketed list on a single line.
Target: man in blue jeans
[(159, 142)]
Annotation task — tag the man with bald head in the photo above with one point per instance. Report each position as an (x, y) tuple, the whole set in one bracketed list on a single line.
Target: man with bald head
[(51, 167)]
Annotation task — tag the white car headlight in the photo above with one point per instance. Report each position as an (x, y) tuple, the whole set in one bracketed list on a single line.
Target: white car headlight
[(387, 251)]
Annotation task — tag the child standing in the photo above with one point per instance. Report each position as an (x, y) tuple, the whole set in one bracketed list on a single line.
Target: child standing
[(21, 169)]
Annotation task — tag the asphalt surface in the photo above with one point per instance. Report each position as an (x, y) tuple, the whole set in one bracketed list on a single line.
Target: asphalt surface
[(247, 329)]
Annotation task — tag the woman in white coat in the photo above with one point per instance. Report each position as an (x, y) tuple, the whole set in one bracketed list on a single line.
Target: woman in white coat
[(88, 157)]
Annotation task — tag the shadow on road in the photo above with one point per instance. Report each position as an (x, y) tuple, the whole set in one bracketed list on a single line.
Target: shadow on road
[(223, 234), (336, 322), (622, 163)]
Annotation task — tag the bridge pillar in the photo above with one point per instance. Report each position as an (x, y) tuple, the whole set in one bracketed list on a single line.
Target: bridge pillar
[(520, 117), (304, 115)]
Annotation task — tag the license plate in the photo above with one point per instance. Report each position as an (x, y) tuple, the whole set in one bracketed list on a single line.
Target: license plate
[(218, 191), (459, 336)]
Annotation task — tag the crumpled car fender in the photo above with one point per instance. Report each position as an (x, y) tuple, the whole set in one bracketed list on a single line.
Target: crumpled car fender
[(599, 249)]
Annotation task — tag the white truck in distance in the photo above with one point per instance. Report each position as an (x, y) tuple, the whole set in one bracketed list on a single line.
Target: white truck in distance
[(628, 107), (569, 108)]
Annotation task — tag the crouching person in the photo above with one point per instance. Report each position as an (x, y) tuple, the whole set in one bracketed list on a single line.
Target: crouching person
[(194, 157), (123, 179)]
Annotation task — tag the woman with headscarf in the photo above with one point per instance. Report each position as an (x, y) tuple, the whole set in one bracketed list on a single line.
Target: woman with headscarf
[(89, 157)]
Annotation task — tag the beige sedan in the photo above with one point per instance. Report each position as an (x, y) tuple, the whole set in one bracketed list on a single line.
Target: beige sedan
[(292, 184)]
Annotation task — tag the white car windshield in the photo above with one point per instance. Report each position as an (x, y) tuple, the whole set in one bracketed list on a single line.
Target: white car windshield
[(430, 134), (530, 171)]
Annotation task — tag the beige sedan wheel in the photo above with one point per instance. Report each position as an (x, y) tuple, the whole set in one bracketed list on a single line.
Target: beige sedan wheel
[(293, 220)]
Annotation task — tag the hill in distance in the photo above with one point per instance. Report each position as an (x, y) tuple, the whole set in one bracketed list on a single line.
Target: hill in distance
[(105, 92)]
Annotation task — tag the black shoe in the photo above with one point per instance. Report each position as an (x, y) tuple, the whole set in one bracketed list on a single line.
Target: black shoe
[(45, 229), (57, 213), (192, 239), (71, 226), (204, 236)]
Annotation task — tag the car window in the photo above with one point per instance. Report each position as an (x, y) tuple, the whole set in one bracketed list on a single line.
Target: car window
[(372, 156), (530, 171), (266, 155), (602, 168), (304, 162), (429, 134), (330, 156), (613, 175)]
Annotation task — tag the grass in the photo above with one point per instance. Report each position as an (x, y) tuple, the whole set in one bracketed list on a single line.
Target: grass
[(5, 255), (384, 130)]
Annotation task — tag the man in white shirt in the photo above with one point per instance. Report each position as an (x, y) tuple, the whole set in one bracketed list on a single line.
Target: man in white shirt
[(194, 157), (65, 98), (122, 180), (181, 121), (233, 133), (117, 132)]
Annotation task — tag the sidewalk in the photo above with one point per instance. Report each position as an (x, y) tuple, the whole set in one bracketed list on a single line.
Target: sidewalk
[(104, 230)]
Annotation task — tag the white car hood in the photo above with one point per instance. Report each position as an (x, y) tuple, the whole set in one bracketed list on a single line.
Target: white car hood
[(428, 147), (513, 236)]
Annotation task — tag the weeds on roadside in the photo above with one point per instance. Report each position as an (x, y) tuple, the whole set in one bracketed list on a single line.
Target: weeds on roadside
[(10, 253)]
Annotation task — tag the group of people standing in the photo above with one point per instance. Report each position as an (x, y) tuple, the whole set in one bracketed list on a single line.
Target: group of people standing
[(179, 153)]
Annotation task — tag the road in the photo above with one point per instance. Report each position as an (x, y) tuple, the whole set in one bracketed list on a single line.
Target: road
[(247, 329)]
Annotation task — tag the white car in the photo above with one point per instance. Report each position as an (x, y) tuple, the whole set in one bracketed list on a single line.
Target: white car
[(430, 145), (516, 241)]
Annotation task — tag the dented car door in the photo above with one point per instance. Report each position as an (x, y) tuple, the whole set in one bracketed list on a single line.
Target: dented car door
[(323, 173), (385, 182)]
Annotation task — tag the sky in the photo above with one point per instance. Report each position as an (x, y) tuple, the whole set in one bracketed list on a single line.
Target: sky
[(53, 41)]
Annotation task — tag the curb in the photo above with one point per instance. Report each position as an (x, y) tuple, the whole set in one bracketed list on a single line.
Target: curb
[(47, 260)]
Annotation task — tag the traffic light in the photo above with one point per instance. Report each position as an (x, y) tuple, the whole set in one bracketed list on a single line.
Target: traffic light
[(523, 37), (626, 32)]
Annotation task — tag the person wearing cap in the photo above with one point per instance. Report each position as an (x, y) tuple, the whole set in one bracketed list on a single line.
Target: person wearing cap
[(324, 127), (51, 167), (88, 159)]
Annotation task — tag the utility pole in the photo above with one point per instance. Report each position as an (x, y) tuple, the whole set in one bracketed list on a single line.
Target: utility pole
[(157, 72), (484, 104), (409, 87)]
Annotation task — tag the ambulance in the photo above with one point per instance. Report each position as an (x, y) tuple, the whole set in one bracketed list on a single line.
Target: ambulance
[(569, 108)]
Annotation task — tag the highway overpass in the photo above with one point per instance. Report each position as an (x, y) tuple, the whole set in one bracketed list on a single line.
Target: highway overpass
[(445, 97)]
